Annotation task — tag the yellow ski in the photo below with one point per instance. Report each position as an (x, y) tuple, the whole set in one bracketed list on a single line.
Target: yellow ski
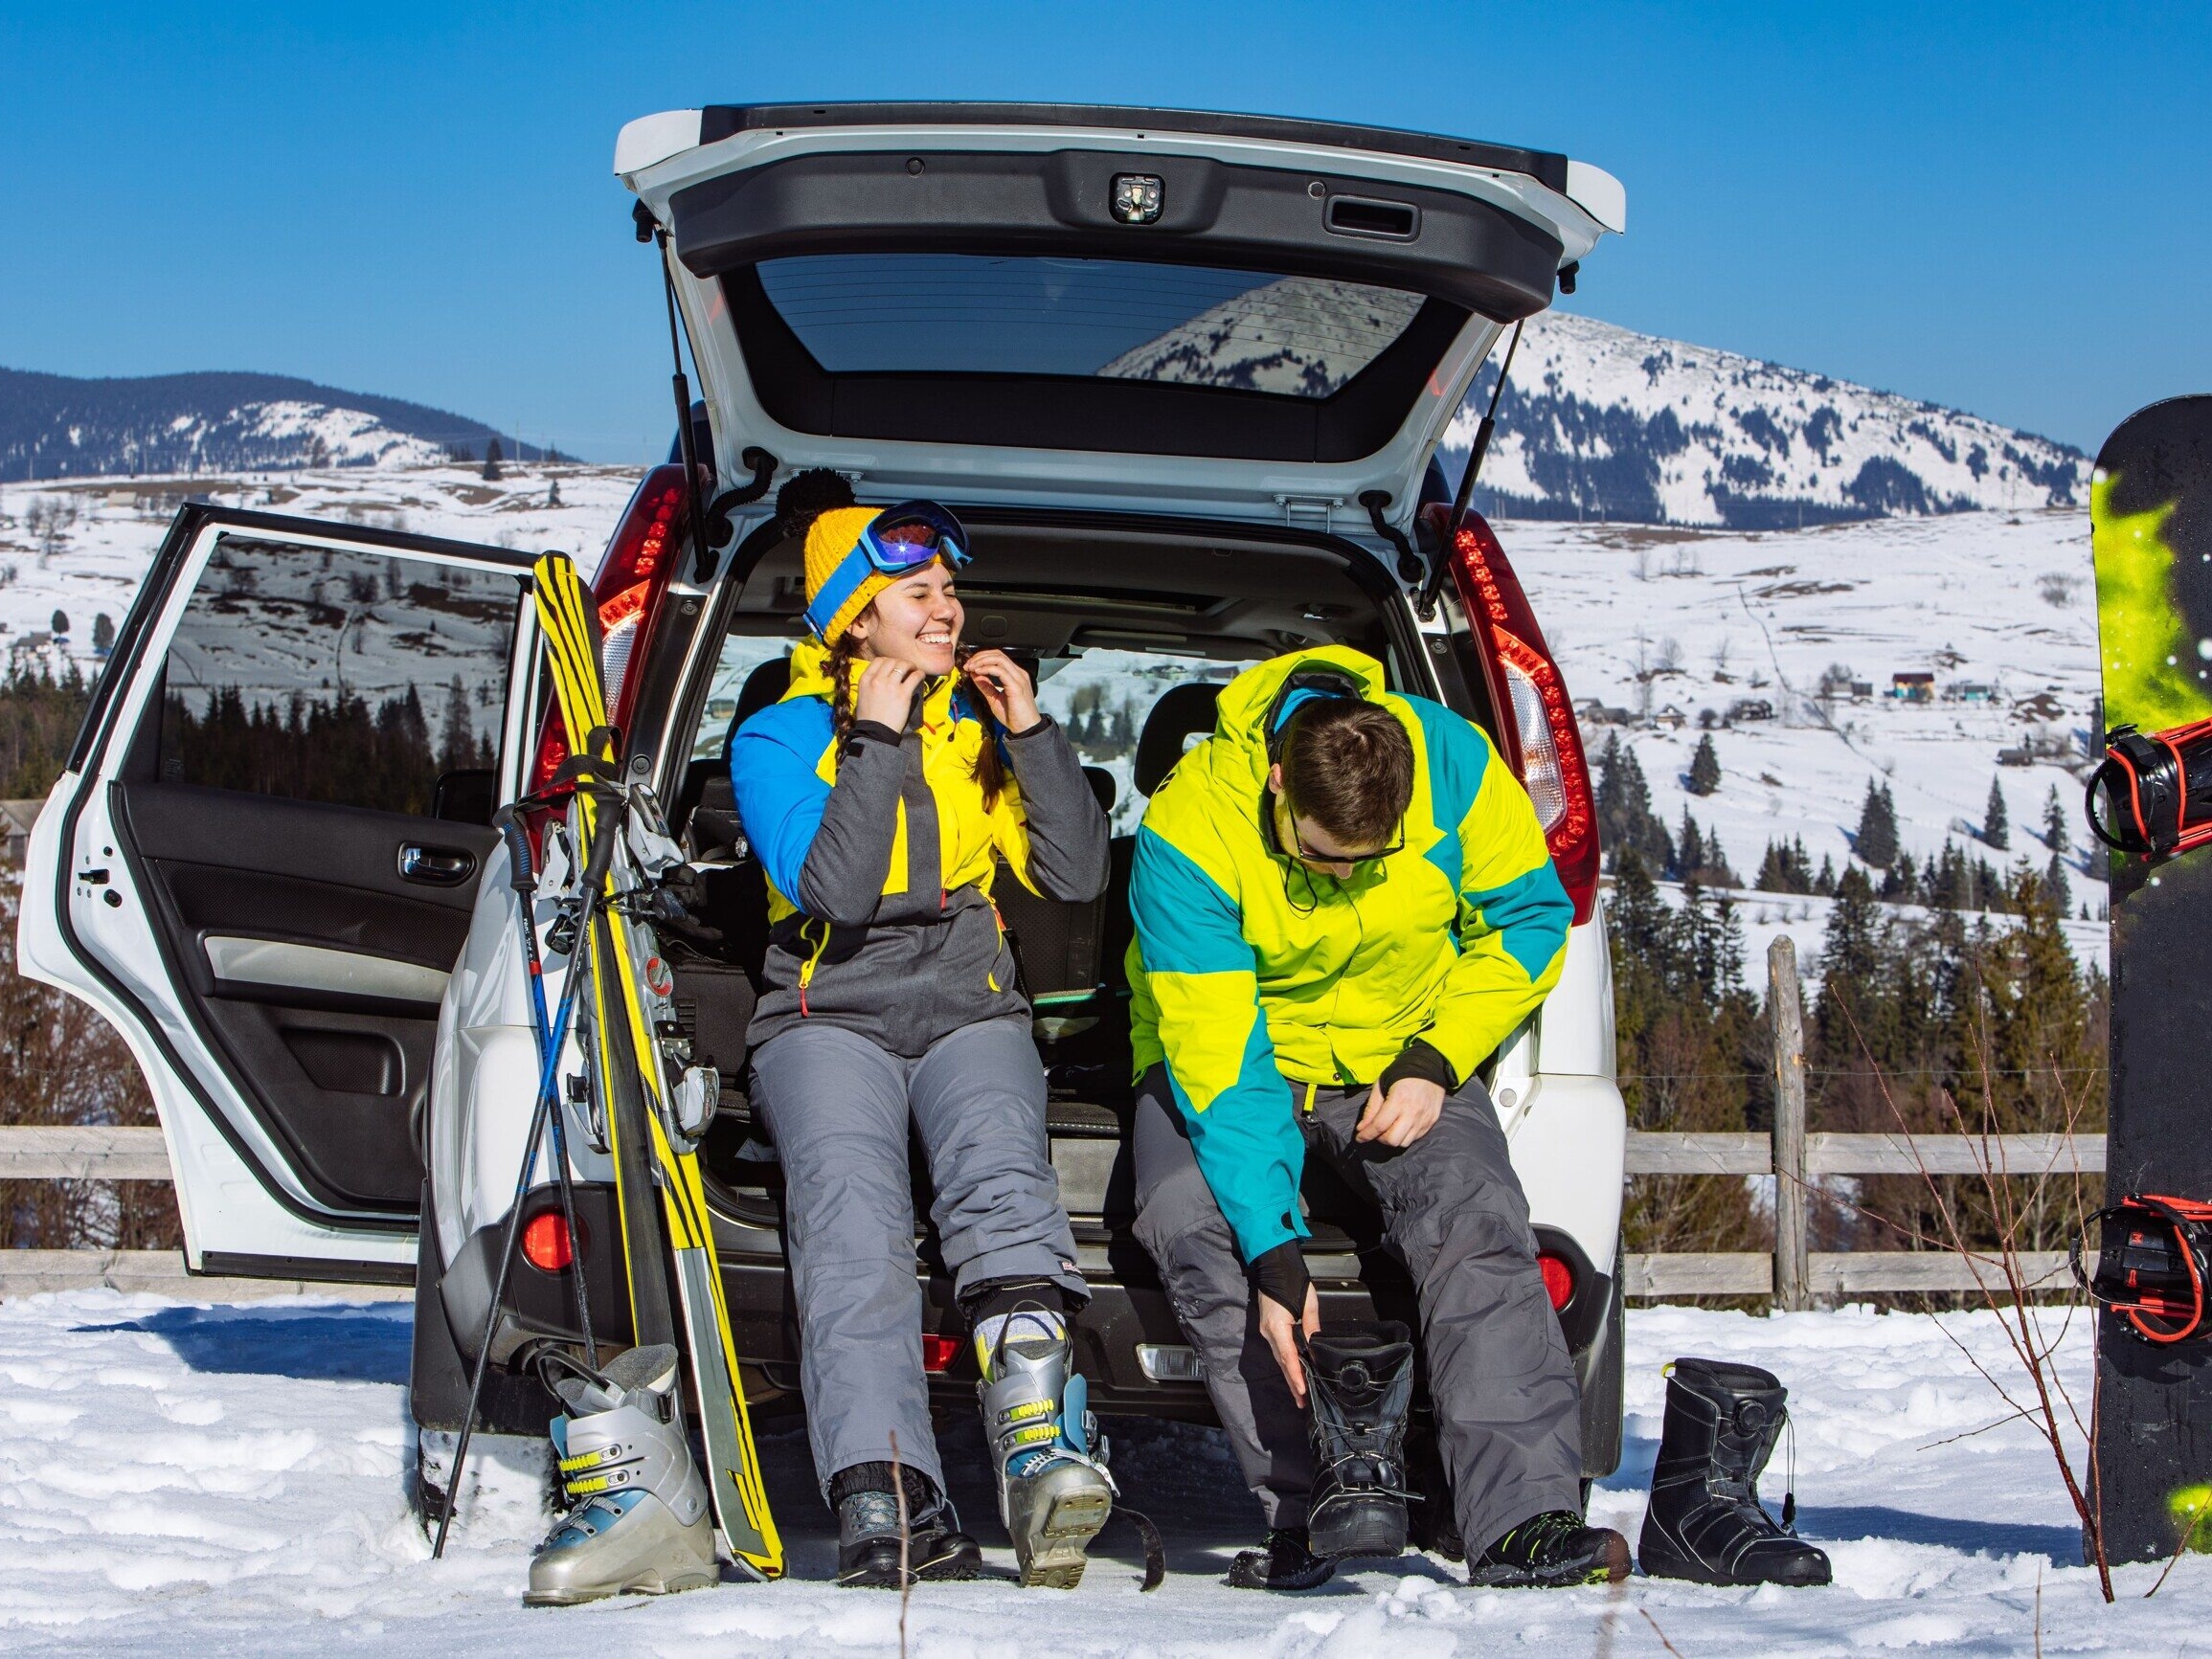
[(627, 1056)]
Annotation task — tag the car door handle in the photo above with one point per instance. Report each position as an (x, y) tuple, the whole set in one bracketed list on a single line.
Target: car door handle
[(439, 866)]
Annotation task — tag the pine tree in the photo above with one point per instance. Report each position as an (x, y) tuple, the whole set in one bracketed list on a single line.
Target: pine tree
[(1705, 767), (457, 742), (103, 632), (2060, 890), (1876, 843), (552, 493), (491, 459), (1625, 820), (1689, 848), (1995, 832), (60, 624), (1123, 736), (1900, 882), (1825, 884), (2055, 834)]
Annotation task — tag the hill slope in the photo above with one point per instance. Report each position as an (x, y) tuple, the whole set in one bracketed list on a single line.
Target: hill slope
[(1599, 422), (56, 426)]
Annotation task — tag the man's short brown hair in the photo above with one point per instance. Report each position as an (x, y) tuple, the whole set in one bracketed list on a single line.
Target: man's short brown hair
[(1349, 766)]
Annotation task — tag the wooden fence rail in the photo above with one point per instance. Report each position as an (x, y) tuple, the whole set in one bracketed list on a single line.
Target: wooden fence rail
[(1792, 1274)]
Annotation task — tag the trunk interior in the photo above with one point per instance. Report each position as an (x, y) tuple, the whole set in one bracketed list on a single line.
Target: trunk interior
[(1131, 630)]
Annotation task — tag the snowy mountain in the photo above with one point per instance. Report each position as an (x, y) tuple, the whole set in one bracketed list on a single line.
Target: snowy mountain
[(53, 426), (1598, 422), (1294, 337)]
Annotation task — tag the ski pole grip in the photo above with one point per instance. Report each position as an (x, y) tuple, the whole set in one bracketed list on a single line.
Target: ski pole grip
[(517, 839)]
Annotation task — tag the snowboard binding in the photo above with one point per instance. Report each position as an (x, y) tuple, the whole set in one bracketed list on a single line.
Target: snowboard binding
[(2157, 791), (2152, 1261)]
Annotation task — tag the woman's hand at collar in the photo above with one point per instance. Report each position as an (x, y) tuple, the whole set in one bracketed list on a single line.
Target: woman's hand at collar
[(1005, 689)]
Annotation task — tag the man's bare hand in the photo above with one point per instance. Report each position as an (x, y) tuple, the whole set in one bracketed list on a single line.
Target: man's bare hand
[(1404, 1115), (885, 693), (1280, 1332)]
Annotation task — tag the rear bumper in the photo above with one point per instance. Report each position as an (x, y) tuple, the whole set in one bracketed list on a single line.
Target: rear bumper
[(1128, 1312)]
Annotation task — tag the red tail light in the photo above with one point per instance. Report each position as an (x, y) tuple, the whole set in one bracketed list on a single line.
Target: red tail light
[(939, 1352), (546, 1244), (646, 547), (1542, 739), (1558, 1280)]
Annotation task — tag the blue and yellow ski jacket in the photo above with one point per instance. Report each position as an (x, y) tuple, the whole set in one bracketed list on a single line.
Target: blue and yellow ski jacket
[(880, 852), (1251, 974)]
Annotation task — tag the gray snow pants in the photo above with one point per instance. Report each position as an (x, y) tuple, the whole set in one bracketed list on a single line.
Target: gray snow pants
[(1508, 1412), (838, 1107)]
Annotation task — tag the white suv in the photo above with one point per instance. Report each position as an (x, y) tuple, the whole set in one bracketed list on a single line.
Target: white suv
[(1182, 375)]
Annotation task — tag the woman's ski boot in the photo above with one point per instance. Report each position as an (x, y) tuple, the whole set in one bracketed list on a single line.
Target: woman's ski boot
[(1359, 1389), (1706, 1523), (867, 1529), (639, 1518), (1055, 1492)]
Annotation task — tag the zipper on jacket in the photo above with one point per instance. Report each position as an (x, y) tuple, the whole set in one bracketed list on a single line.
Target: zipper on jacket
[(806, 968)]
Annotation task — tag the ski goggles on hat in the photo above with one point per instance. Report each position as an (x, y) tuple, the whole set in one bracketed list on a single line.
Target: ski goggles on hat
[(897, 540)]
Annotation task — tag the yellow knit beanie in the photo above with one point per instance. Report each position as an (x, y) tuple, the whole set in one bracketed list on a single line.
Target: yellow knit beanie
[(833, 536)]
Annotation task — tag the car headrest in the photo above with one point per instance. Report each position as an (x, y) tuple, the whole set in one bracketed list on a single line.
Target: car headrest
[(1183, 711), (1103, 786), (765, 684)]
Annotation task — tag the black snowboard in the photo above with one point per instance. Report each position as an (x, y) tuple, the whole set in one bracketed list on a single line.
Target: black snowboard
[(2152, 510)]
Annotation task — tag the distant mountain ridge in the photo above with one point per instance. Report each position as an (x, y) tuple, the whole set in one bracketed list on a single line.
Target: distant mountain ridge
[(1600, 422), (57, 426)]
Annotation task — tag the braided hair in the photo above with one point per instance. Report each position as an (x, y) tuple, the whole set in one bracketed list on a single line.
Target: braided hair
[(798, 504)]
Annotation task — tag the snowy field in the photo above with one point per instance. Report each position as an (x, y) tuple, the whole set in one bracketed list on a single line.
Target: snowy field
[(181, 1479)]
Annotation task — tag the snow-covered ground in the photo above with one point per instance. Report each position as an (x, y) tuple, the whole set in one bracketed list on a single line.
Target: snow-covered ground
[(182, 1479)]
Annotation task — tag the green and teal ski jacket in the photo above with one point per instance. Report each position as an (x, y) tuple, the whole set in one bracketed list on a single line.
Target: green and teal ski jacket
[(1252, 975)]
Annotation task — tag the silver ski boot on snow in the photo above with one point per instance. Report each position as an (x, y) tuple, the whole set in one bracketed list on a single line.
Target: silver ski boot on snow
[(1055, 1492), (637, 1514)]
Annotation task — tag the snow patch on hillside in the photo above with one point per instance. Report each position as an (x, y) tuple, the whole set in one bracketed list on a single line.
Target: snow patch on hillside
[(1599, 422)]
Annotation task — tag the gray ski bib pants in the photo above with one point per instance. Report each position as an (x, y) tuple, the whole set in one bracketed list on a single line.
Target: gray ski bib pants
[(838, 1106), (1509, 1413)]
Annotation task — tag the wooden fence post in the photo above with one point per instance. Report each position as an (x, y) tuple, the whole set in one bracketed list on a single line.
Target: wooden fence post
[(1785, 1008)]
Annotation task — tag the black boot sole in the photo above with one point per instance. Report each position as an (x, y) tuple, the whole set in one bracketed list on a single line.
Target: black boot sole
[(1360, 1529), (1609, 1566)]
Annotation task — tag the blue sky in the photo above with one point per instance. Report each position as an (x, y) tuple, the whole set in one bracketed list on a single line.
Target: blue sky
[(2002, 207)]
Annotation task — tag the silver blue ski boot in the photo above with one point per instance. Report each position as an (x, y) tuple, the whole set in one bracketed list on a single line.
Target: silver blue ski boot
[(637, 1514), (1055, 1492)]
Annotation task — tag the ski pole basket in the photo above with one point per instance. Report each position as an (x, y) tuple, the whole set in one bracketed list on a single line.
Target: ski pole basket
[(2157, 791), (2152, 1265)]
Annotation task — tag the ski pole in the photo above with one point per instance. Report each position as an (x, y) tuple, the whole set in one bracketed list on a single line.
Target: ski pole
[(537, 1125), (526, 897)]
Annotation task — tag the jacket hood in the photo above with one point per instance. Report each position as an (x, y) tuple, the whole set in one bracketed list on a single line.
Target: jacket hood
[(1241, 716)]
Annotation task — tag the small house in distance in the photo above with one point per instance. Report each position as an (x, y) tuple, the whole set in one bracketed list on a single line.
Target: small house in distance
[(16, 817), (1862, 690), (1751, 708), (1970, 691), (1913, 686), (1670, 718)]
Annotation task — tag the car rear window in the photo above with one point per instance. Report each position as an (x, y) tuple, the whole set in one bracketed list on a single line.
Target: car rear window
[(1183, 324)]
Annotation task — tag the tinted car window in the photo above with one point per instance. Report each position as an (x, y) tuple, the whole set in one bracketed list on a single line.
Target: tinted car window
[(334, 675), (1184, 325)]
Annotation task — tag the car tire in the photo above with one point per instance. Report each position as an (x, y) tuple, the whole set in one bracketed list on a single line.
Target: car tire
[(1605, 1386)]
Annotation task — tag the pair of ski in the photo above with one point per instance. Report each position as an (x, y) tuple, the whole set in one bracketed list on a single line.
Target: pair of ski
[(659, 1199)]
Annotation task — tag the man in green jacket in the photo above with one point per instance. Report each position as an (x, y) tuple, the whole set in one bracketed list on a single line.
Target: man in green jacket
[(1343, 902)]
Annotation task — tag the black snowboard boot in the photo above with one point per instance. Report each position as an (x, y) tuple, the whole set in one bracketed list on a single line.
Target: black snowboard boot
[(1359, 1388), (1551, 1551), (1285, 1561), (868, 1552), (1706, 1523)]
